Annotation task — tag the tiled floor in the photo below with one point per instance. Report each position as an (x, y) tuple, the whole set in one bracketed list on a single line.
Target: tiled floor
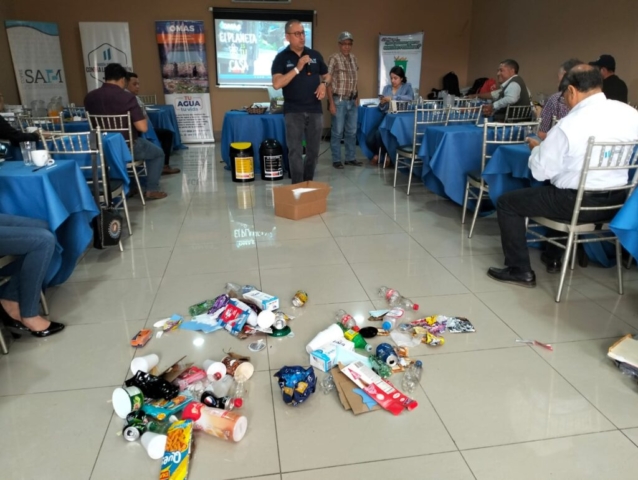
[(489, 408)]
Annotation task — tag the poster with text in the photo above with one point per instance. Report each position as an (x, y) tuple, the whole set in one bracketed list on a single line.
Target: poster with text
[(182, 51), (104, 43), (37, 61), (403, 51)]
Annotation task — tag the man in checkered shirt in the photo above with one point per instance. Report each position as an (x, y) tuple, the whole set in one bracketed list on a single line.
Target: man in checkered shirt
[(343, 101)]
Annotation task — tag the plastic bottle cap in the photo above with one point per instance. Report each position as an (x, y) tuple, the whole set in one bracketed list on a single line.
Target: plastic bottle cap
[(416, 306), (217, 376), (238, 402), (386, 325), (419, 363), (356, 328)]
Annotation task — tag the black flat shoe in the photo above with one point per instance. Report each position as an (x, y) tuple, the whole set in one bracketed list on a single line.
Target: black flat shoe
[(54, 328), (553, 265), (513, 276), (338, 165), (354, 163)]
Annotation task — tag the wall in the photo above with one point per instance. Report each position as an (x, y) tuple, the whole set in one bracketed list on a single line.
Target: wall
[(541, 35), (447, 36)]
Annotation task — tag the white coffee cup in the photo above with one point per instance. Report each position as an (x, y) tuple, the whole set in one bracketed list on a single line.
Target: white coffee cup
[(145, 363), (214, 370), (40, 158), (154, 444)]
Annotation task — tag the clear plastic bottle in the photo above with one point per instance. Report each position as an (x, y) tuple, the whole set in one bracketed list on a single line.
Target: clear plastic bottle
[(221, 387), (236, 290), (412, 377), (395, 299), (345, 320), (237, 394)]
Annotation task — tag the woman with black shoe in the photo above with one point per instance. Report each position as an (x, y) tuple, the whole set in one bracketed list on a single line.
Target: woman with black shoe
[(29, 240)]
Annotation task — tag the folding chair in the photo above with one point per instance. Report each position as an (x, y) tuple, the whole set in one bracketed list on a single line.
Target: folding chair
[(469, 114), (422, 117), (148, 99), (73, 111), (522, 113), (494, 134), (90, 143), (121, 124), (600, 156), (47, 124)]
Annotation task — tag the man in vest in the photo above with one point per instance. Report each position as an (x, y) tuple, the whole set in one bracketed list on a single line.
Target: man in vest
[(560, 160), (513, 92)]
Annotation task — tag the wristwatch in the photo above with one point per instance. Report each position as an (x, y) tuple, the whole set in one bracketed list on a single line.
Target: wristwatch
[(325, 83)]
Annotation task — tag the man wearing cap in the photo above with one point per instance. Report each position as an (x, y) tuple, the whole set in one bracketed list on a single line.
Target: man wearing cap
[(613, 87), (343, 101), (303, 76)]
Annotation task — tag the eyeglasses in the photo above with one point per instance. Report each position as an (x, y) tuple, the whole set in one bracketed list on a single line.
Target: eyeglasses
[(299, 34)]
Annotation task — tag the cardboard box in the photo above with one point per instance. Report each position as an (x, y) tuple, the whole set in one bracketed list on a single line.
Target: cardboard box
[(347, 396), (325, 358), (263, 300), (301, 200)]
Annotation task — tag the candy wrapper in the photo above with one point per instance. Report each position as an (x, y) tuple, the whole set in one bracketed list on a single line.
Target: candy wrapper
[(459, 325), (296, 384), (432, 340), (219, 302)]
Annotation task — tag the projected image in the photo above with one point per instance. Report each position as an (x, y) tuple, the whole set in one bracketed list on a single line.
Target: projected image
[(246, 48)]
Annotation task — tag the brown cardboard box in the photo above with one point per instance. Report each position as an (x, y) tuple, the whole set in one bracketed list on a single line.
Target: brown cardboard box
[(349, 399), (308, 204)]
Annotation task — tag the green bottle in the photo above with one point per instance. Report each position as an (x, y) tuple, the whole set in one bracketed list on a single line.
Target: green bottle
[(357, 339)]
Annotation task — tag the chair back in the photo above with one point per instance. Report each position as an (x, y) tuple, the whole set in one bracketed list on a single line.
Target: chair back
[(148, 99), (47, 124), (114, 123), (495, 134), (82, 143), (517, 114), (607, 156), (469, 114), (425, 116), (73, 111)]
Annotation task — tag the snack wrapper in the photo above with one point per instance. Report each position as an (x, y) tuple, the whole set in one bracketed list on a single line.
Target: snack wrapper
[(176, 459)]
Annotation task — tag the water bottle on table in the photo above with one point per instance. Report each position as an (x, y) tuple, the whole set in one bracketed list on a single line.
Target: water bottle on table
[(395, 299)]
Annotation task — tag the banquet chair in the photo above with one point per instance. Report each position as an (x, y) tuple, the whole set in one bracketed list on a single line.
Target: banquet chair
[(518, 114), (148, 99), (469, 114), (422, 117), (600, 157), (121, 124), (494, 135), (5, 261), (47, 124), (70, 112), (90, 143)]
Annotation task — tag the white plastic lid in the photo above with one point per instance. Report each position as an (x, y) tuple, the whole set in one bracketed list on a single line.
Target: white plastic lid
[(241, 425)]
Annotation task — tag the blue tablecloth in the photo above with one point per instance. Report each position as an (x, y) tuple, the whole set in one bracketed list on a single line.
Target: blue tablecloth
[(625, 225), (397, 130), (242, 127), (58, 194), (367, 119), (163, 116), (507, 170), (76, 127)]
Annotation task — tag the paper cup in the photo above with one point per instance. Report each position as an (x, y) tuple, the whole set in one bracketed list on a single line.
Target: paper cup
[(214, 370), (154, 444), (127, 400), (238, 368), (145, 363)]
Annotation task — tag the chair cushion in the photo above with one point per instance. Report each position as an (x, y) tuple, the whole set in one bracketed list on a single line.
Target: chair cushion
[(405, 149)]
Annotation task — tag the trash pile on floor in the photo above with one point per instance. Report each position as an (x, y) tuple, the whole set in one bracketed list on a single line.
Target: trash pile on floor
[(163, 409)]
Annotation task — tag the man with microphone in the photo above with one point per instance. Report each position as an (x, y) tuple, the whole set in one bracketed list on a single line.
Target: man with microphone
[(303, 76)]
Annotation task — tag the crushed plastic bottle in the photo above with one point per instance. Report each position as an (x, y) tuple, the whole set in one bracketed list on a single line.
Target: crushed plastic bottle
[(346, 321), (328, 384), (412, 377), (380, 367), (395, 299)]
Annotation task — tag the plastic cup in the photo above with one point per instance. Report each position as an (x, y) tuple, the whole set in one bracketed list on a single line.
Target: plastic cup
[(154, 444), (214, 370), (145, 363), (127, 400)]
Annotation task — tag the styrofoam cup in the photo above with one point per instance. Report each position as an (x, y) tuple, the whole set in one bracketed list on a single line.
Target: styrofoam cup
[(154, 444), (214, 370), (145, 363), (266, 319)]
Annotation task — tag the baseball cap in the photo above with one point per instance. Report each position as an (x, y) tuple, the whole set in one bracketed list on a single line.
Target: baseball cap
[(345, 36), (606, 61)]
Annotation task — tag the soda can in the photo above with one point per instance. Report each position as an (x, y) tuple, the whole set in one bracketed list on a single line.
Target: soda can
[(386, 354), (131, 433), (300, 298)]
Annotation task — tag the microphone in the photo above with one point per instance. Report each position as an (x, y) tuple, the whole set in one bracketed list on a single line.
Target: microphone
[(306, 69)]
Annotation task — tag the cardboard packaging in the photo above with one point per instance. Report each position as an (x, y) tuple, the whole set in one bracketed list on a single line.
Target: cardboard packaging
[(263, 300), (325, 358), (347, 396), (301, 200)]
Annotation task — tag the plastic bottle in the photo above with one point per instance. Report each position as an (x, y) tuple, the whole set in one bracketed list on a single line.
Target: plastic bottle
[(412, 377), (346, 321), (358, 340), (236, 290), (395, 299), (237, 395), (222, 387)]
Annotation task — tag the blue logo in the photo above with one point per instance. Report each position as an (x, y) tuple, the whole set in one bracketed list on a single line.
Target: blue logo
[(106, 54)]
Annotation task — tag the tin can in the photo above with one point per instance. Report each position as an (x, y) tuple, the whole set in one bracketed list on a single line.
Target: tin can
[(386, 354), (300, 298), (131, 433)]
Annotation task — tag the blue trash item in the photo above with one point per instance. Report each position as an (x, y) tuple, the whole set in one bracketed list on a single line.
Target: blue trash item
[(296, 384)]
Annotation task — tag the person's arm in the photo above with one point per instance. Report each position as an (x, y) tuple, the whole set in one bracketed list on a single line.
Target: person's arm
[(320, 92), (331, 67), (546, 160), (7, 132), (407, 94), (137, 116), (511, 95), (547, 115), (279, 79)]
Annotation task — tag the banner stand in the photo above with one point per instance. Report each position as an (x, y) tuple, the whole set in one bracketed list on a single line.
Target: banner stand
[(403, 51)]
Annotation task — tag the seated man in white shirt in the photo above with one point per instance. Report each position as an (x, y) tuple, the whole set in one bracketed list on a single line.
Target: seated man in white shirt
[(559, 159)]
